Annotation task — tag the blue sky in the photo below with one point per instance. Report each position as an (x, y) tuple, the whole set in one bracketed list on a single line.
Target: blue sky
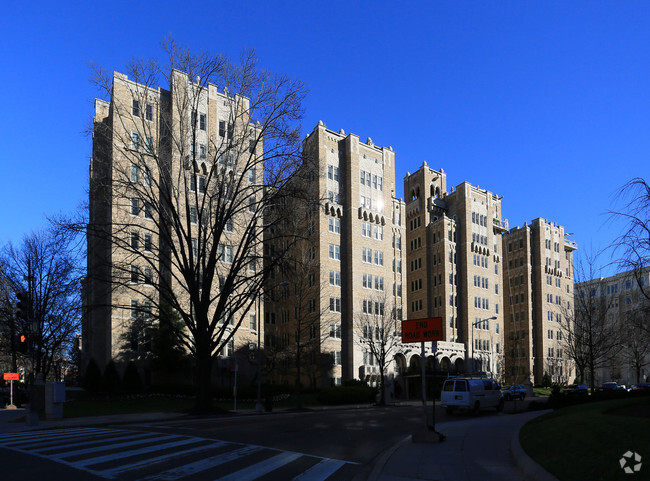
[(544, 103)]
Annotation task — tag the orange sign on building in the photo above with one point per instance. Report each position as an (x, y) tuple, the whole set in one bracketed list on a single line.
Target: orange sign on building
[(422, 330)]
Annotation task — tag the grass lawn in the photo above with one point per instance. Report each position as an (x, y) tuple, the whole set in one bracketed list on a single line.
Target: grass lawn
[(105, 406), (585, 442), (542, 391)]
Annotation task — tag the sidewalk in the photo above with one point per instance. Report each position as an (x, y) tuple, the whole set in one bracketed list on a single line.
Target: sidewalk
[(476, 449)]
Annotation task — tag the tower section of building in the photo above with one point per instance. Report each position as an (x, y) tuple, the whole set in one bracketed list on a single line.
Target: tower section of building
[(538, 264), (356, 239), (453, 259), (157, 157)]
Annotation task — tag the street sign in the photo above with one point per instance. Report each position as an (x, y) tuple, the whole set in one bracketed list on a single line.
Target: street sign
[(421, 330), (12, 376)]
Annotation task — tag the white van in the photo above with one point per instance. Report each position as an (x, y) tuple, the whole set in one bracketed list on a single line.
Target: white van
[(471, 394)]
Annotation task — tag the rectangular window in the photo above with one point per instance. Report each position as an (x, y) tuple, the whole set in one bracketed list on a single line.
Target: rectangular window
[(135, 206), (136, 108), (335, 252), (135, 274), (225, 253), (147, 242), (202, 121), (135, 140), (148, 276), (135, 173), (148, 211), (135, 310), (149, 112), (251, 175), (334, 225), (135, 240), (335, 278), (193, 215), (222, 128), (335, 304)]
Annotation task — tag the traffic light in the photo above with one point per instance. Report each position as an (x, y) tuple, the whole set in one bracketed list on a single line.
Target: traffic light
[(23, 343), (22, 306)]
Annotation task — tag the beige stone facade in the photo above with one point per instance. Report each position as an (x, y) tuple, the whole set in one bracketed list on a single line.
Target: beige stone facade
[(126, 261), (538, 274), (454, 266), (622, 303), (354, 257)]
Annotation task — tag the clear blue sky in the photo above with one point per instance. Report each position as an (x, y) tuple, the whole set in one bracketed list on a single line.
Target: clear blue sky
[(544, 103)]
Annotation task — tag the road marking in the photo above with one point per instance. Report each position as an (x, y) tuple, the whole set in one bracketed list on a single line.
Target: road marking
[(260, 469), (112, 445), (110, 473), (121, 455), (51, 447), (321, 470), (204, 464), (55, 434), (62, 445)]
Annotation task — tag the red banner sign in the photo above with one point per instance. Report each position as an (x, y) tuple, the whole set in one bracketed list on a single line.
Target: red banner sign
[(422, 330), (12, 376)]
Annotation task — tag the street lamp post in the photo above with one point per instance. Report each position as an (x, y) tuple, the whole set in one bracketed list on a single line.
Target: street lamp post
[(474, 324), (258, 404)]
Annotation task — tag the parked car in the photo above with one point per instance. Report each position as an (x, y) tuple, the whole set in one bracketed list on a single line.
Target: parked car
[(577, 390), (471, 394), (611, 387), (641, 386), (515, 391)]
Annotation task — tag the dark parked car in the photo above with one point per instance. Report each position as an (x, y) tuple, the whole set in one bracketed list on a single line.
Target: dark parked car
[(515, 391), (644, 386), (576, 390), (612, 387)]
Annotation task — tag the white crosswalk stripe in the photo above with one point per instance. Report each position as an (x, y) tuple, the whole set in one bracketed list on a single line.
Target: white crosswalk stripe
[(127, 454)]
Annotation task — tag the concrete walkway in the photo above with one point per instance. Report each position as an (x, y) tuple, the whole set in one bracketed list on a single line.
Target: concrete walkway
[(475, 449)]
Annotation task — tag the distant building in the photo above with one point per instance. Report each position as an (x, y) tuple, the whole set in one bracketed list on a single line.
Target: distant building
[(538, 288), (621, 302)]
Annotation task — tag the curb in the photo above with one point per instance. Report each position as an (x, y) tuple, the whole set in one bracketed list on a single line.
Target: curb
[(530, 469), (383, 459)]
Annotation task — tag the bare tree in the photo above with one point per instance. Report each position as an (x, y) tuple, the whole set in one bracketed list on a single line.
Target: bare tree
[(192, 190), (633, 246), (376, 333), (46, 267), (590, 336), (636, 345)]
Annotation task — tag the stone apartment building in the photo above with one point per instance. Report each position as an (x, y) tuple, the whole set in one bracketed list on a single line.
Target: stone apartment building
[(538, 287), (620, 302), (352, 260), (127, 258), (454, 270)]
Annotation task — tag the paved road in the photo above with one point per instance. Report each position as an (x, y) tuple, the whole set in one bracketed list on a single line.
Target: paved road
[(132, 455), (324, 444)]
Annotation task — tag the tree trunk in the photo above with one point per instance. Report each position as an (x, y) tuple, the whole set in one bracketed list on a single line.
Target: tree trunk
[(298, 383), (203, 400)]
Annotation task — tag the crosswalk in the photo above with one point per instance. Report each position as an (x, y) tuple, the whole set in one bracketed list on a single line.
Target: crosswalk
[(137, 455)]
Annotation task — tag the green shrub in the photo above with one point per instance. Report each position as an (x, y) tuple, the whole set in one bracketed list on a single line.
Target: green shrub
[(132, 381), (347, 395), (111, 381), (92, 379)]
